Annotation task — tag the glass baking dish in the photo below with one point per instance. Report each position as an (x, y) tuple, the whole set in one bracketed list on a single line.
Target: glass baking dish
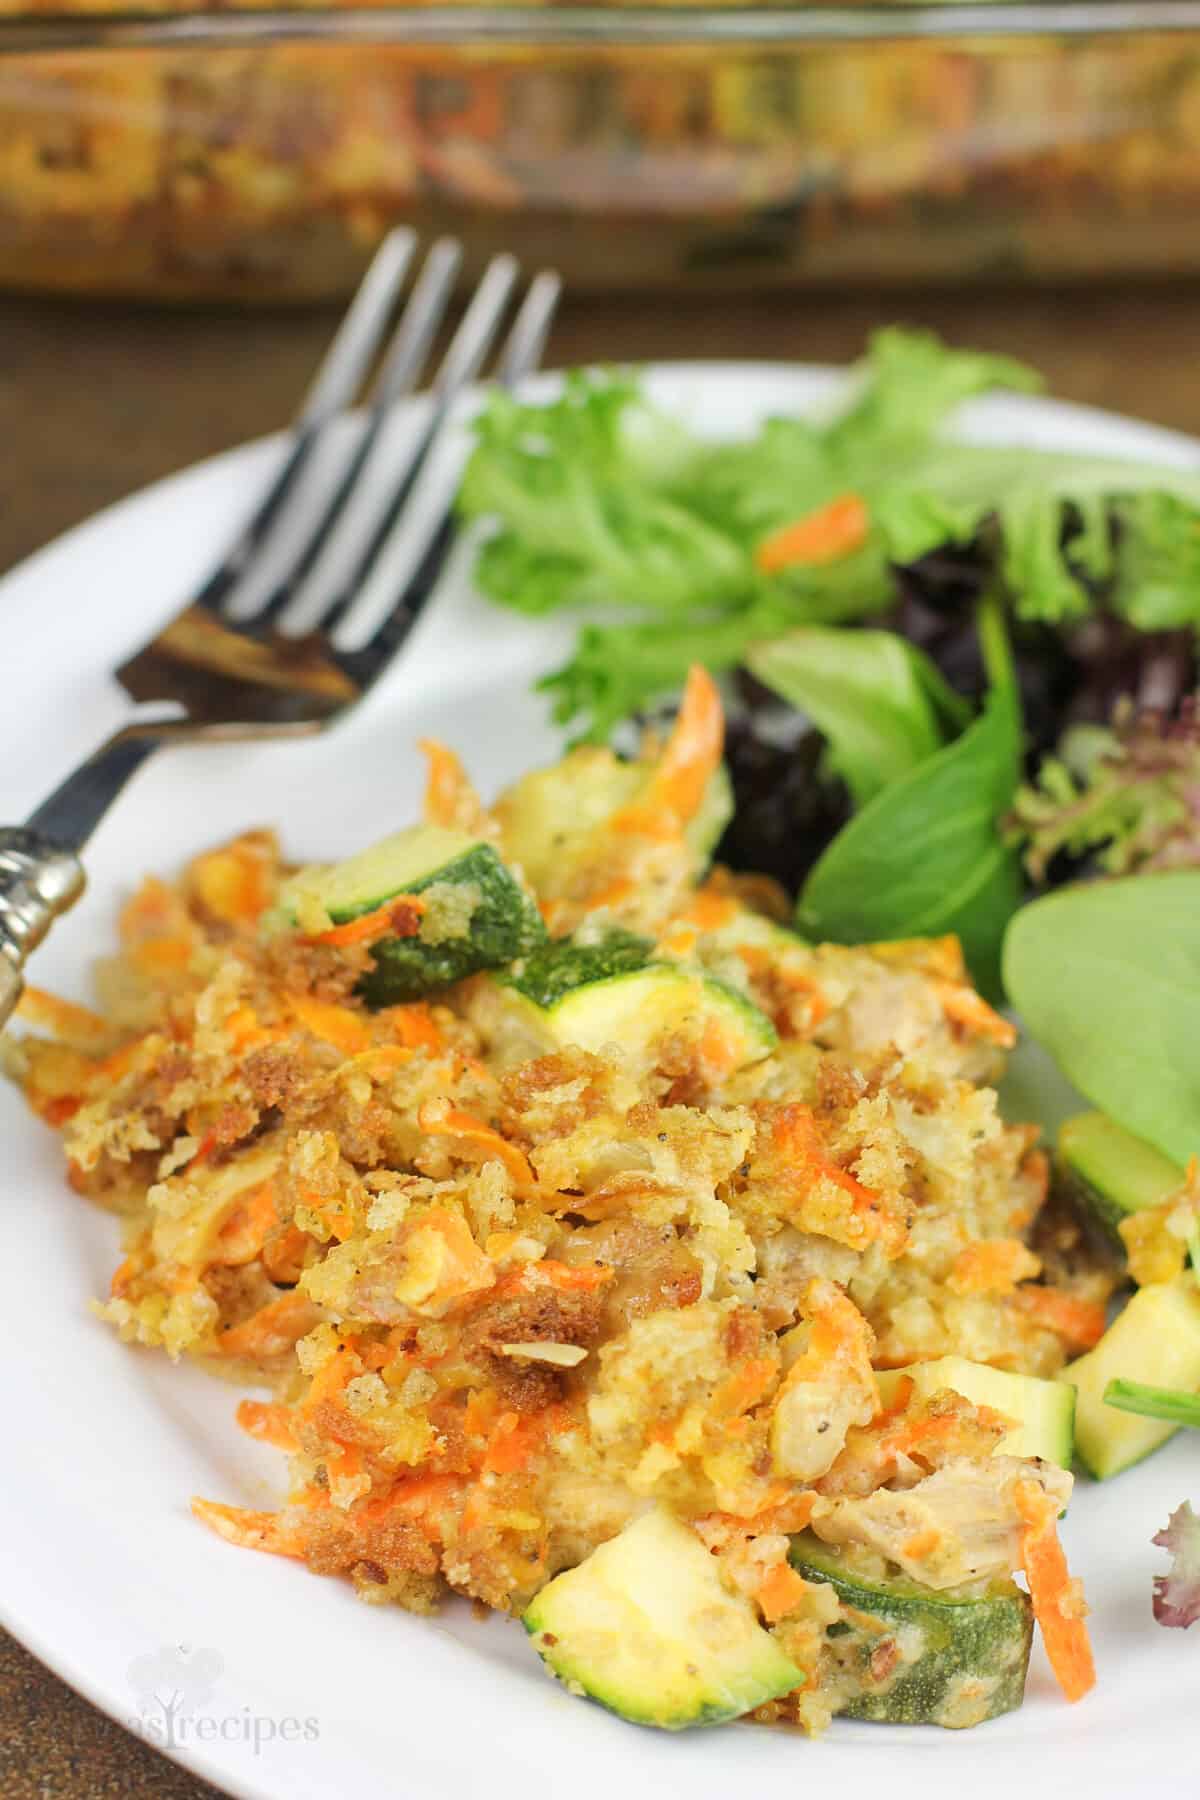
[(259, 156)]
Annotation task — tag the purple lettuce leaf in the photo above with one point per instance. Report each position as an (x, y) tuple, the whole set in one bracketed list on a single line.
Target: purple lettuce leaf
[(1129, 796), (1177, 1593)]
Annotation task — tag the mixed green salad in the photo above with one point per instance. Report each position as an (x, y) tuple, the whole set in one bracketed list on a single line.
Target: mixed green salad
[(965, 701)]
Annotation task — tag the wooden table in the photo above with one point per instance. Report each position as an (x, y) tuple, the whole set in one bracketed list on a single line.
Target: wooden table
[(94, 402)]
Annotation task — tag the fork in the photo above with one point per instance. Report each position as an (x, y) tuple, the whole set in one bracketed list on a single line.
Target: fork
[(302, 615)]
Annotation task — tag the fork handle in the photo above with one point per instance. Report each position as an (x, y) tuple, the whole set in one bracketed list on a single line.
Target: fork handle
[(39, 880)]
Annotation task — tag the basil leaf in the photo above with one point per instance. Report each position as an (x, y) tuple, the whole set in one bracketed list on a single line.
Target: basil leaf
[(880, 702), (924, 857), (1106, 975)]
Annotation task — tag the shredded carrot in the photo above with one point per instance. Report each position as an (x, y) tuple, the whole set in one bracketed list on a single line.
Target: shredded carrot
[(993, 1267), (678, 940), (450, 799), (922, 1545), (207, 1145), (516, 1438), (839, 1344), (910, 1434), (1057, 1600), (283, 1255), (123, 1278), (56, 1112), (964, 1007), (330, 1381), (480, 1412), (612, 893), (826, 535), (718, 1048), (272, 1330), (158, 954), (475, 1512), (678, 784), (565, 1278), (693, 748), (395, 918), (235, 884), (781, 1593), (244, 1232), (414, 1026), (151, 912), (443, 1263), (472, 1132), (343, 1462), (117, 1063), (244, 1031), (77, 1026), (709, 910), (796, 1135), (781, 1510), (552, 912), (1079, 1323), (415, 1497), (745, 1386), (269, 1421), (251, 1530), (336, 1025), (512, 1443)]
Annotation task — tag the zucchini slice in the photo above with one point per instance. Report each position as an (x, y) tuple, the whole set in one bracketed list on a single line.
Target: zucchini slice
[(1156, 1341), (1111, 1173), (1043, 1411), (647, 1004), (907, 1655), (553, 970), (645, 1626), (475, 913), (610, 993)]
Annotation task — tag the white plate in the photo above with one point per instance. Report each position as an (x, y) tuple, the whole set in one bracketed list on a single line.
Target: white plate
[(317, 1695)]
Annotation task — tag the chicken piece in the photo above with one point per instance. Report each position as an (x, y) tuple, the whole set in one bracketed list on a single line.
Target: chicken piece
[(960, 1524)]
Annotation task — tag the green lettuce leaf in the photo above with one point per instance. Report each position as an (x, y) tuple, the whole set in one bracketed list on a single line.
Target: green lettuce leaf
[(597, 499), (924, 857), (581, 490), (617, 670), (1106, 977), (880, 703), (912, 384), (1134, 526)]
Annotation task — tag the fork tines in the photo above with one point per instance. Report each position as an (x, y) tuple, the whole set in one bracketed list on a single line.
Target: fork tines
[(353, 532)]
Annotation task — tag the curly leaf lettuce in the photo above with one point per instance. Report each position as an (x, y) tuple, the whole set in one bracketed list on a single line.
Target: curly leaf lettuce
[(582, 490), (1177, 1593), (597, 499), (911, 384), (1130, 797), (1066, 526)]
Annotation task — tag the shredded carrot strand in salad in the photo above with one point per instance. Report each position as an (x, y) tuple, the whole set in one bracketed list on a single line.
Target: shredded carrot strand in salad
[(824, 536)]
